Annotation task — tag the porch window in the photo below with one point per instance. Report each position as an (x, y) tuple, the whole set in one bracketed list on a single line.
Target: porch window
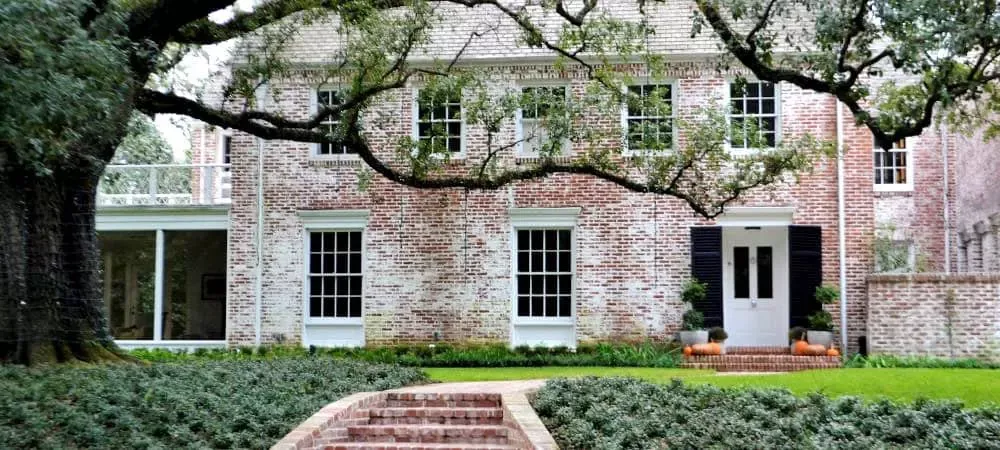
[(752, 108), (227, 151), (128, 261), (439, 119), (893, 167), (335, 275), (544, 273)]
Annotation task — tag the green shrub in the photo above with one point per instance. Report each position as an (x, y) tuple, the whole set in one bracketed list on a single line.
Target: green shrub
[(916, 362), (692, 320), (623, 413), (717, 334), (197, 404), (644, 354)]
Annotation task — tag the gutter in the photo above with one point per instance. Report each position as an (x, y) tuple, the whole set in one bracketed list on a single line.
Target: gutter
[(943, 131), (841, 228), (259, 271)]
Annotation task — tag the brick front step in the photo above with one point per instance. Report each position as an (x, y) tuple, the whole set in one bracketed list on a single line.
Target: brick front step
[(415, 400), (449, 416), (760, 363), (757, 350), (414, 446), (456, 434)]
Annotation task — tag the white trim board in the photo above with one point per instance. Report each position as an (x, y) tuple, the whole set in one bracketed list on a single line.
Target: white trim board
[(334, 218), (195, 218), (756, 216), (544, 217)]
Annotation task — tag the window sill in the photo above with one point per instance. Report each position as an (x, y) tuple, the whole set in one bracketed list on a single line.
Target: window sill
[(531, 159), (543, 321), (334, 321), (893, 191), (335, 161)]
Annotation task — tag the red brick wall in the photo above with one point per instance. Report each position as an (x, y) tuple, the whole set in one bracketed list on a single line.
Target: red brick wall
[(935, 315), (439, 261)]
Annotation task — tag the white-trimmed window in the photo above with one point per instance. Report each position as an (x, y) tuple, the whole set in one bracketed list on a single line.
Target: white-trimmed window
[(438, 119), (335, 273), (538, 102), (330, 97), (544, 272), (753, 106), (648, 117), (226, 150), (893, 168)]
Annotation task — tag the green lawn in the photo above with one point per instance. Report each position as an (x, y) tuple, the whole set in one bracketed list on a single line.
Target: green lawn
[(974, 387)]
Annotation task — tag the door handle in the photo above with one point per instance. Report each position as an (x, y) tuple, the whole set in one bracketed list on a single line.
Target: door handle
[(753, 303)]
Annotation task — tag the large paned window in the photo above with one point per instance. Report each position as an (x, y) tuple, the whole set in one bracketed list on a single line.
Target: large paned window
[(539, 103), (330, 98), (753, 108), (335, 274), (439, 119), (893, 167), (128, 261), (544, 272), (648, 117)]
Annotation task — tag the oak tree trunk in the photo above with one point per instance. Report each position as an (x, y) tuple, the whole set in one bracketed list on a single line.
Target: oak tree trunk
[(51, 304)]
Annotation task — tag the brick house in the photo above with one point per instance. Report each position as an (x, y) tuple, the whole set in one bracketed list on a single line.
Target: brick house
[(310, 258)]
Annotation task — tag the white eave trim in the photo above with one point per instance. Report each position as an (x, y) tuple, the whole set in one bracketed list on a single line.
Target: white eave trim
[(335, 218), (544, 217), (153, 218), (757, 216)]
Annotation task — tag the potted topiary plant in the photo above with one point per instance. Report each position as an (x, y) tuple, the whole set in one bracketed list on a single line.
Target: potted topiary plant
[(718, 335), (821, 323), (693, 321)]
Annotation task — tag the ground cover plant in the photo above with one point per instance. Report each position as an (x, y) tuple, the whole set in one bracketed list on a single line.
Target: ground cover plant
[(642, 354), (625, 413), (918, 362), (194, 404)]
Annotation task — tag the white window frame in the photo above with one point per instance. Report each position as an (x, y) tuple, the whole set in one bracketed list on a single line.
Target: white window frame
[(895, 187), (519, 119), (544, 219), (333, 221), (313, 110), (673, 113), (727, 102), (415, 119)]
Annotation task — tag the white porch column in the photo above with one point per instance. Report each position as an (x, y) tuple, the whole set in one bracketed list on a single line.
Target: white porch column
[(158, 288)]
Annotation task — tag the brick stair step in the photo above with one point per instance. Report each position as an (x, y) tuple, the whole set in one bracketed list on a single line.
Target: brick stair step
[(757, 350), (464, 434), (422, 400), (415, 446), (761, 359), (450, 416)]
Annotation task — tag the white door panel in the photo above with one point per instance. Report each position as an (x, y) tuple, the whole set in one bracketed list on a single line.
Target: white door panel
[(755, 285)]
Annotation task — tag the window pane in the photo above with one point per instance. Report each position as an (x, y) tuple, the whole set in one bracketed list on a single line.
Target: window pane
[(343, 285), (128, 265), (194, 285), (342, 307), (741, 272), (315, 285), (329, 264), (537, 306), (551, 261), (565, 284), (329, 307), (355, 241), (355, 262), (767, 106), (315, 306), (356, 283), (564, 262), (523, 239), (342, 263), (551, 307), (565, 306), (538, 284), (523, 306), (523, 258), (767, 89), (315, 242), (355, 306), (537, 259), (765, 273), (524, 284), (315, 263), (551, 284)]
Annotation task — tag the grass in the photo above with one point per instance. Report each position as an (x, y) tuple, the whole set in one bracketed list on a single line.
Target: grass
[(974, 387)]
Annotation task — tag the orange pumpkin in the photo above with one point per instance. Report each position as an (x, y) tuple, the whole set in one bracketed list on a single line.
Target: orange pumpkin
[(715, 348), (702, 349), (815, 350), (832, 352), (688, 351), (800, 347)]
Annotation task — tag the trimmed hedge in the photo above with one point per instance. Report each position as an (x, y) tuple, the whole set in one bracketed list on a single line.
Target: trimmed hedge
[(647, 354), (198, 404), (917, 362), (623, 413)]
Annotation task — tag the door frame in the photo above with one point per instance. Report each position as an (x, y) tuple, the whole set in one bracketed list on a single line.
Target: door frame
[(777, 236)]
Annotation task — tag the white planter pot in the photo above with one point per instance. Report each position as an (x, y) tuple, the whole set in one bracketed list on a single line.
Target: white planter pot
[(694, 337), (824, 338)]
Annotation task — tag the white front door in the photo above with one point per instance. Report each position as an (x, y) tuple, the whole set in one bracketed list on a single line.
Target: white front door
[(755, 285)]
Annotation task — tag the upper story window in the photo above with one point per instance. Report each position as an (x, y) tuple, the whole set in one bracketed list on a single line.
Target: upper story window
[(439, 119), (538, 105), (893, 168), (753, 107), (335, 275), (648, 117), (330, 98), (226, 151)]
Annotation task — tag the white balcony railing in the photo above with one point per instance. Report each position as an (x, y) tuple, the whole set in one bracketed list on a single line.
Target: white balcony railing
[(165, 185)]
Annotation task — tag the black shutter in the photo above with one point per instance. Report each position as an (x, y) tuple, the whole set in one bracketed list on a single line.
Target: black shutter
[(805, 272), (706, 266)]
